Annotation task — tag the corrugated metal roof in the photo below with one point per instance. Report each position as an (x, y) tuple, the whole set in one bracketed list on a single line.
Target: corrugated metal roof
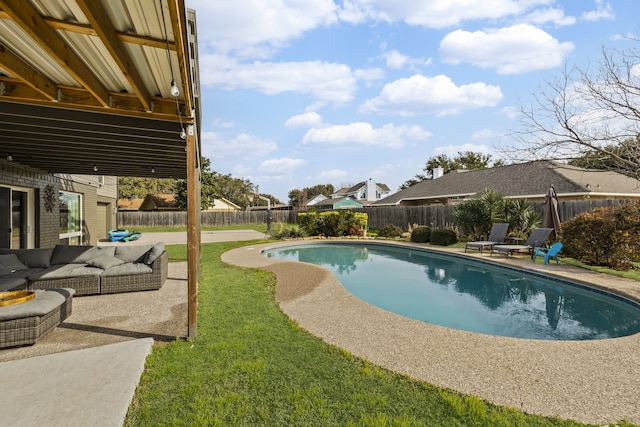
[(84, 62)]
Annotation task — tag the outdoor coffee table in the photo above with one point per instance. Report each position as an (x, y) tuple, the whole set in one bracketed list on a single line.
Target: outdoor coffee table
[(34, 314)]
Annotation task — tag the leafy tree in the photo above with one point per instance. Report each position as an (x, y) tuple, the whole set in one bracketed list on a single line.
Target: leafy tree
[(215, 185), (130, 187), (587, 116), (300, 197), (467, 160)]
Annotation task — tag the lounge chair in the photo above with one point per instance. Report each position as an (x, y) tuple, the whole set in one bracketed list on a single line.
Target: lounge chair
[(535, 240), (548, 253), (496, 236)]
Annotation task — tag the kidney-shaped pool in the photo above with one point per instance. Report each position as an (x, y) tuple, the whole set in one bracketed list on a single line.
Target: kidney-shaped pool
[(476, 296)]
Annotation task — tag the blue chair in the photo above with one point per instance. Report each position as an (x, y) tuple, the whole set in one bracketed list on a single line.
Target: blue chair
[(547, 253)]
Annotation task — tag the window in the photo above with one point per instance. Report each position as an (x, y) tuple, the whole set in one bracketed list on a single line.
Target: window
[(70, 218)]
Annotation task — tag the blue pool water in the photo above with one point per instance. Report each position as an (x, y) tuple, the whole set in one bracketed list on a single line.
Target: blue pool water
[(475, 296)]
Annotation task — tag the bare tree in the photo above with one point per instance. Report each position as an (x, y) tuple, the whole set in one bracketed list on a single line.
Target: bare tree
[(588, 115)]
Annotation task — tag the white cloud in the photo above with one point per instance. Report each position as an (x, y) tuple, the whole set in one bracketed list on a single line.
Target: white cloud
[(431, 95), (396, 60), (360, 133), (433, 14), (325, 81), (484, 134), (369, 74), (333, 175), (603, 11), (553, 15), (280, 166), (517, 49), (215, 146), (243, 26), (305, 120)]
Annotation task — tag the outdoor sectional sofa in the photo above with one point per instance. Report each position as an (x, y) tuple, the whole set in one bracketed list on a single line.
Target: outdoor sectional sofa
[(86, 269)]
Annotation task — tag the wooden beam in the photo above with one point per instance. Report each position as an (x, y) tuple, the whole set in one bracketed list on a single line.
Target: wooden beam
[(13, 89), (28, 18), (178, 24), (97, 16), (23, 71), (193, 230), (87, 30)]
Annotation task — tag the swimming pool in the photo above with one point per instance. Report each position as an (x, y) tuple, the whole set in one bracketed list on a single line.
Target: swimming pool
[(476, 296)]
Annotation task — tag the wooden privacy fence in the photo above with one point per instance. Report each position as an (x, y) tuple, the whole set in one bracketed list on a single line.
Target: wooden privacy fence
[(437, 216)]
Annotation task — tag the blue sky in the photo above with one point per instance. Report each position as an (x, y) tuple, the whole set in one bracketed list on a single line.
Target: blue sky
[(303, 92)]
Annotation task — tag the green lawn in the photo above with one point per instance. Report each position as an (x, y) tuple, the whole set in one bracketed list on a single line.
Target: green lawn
[(251, 366)]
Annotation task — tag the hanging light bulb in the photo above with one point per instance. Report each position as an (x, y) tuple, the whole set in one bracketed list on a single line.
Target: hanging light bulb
[(95, 168), (175, 92), (153, 170), (10, 157), (183, 133)]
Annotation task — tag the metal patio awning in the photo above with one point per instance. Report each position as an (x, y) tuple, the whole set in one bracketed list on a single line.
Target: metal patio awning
[(86, 86)]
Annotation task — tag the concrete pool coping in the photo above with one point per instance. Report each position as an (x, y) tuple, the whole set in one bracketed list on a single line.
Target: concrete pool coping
[(589, 381)]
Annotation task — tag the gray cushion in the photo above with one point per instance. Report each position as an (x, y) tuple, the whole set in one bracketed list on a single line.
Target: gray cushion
[(65, 254), (105, 261), (154, 253), (127, 269), (8, 283), (64, 271), (44, 302), (35, 258), (95, 252), (132, 253), (10, 263)]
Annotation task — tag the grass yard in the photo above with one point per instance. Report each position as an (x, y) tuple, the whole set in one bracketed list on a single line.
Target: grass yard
[(251, 366)]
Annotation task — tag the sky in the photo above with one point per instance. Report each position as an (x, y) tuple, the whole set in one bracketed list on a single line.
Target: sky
[(297, 93)]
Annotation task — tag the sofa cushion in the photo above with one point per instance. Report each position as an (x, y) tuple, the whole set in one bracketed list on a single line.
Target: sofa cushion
[(95, 252), (10, 263), (154, 253), (43, 303), (105, 261), (65, 254), (35, 258), (10, 282), (132, 253), (64, 271), (128, 268)]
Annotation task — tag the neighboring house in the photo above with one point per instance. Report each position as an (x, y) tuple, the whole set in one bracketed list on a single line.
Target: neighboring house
[(317, 199), (366, 192), (339, 203), (159, 202), (223, 205), (526, 180), (129, 204)]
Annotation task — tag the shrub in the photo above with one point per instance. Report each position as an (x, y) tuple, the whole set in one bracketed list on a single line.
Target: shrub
[(332, 223), (421, 234), (608, 236), (293, 232), (443, 237), (390, 230)]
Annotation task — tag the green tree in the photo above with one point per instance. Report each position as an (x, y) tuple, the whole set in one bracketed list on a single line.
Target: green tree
[(467, 160), (215, 185), (130, 187), (300, 197)]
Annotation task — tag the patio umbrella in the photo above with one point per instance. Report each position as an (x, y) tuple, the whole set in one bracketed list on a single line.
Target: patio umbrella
[(551, 217)]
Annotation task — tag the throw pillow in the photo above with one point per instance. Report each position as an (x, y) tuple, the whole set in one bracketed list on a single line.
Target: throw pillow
[(10, 263), (105, 261), (154, 253)]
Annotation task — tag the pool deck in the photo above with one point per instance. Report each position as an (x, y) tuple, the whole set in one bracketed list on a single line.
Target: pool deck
[(589, 381)]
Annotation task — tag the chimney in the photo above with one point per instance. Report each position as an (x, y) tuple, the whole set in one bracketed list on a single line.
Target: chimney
[(438, 172), (371, 191)]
